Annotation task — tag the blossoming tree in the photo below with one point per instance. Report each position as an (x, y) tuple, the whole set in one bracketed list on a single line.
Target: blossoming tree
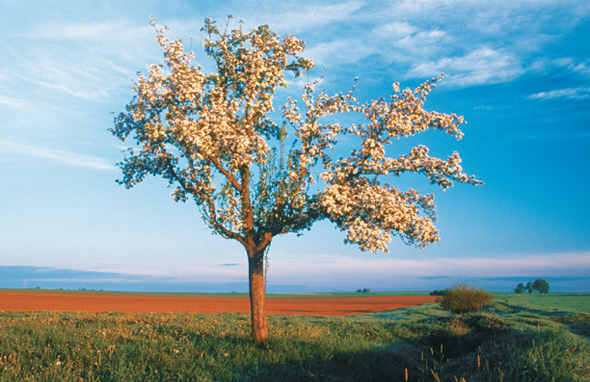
[(212, 137)]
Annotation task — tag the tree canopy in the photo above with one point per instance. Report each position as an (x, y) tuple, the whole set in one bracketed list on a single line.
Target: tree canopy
[(541, 285), (211, 136), (529, 287)]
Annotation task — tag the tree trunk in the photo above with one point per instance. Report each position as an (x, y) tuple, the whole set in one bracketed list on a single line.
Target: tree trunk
[(257, 296)]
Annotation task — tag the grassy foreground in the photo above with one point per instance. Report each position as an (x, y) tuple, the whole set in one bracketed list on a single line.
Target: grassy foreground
[(543, 338)]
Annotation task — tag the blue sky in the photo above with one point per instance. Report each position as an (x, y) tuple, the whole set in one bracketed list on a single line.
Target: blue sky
[(518, 71)]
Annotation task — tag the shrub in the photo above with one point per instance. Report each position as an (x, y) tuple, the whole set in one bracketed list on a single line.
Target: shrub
[(437, 292), (464, 298)]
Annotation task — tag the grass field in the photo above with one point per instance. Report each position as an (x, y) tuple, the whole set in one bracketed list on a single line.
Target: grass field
[(518, 338)]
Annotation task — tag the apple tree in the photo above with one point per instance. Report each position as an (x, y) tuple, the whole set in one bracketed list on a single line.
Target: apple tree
[(211, 136)]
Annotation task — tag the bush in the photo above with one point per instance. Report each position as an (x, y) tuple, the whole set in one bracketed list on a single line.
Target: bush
[(437, 292), (464, 298)]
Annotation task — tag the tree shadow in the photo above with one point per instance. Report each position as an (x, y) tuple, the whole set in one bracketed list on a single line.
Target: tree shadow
[(518, 309), (455, 347), (581, 329)]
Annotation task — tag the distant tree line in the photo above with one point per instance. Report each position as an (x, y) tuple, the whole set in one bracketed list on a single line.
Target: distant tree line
[(540, 285)]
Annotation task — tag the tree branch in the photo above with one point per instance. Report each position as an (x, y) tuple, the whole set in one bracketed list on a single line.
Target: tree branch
[(266, 239), (226, 233), (227, 174)]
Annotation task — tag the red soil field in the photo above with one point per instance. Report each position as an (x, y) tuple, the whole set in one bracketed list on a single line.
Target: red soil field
[(140, 303)]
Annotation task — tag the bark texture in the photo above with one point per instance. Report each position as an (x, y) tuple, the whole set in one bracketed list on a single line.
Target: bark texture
[(257, 296)]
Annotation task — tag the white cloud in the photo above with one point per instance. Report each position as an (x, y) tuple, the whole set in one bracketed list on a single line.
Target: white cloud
[(12, 102), (184, 273), (482, 66), (477, 9), (311, 16), (340, 51), (328, 268), (570, 93), (340, 271), (572, 65), (397, 29), (582, 67), (474, 42), (101, 33), (406, 43), (87, 61), (63, 157)]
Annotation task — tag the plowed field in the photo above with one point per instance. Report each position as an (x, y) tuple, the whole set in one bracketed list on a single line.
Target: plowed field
[(141, 303)]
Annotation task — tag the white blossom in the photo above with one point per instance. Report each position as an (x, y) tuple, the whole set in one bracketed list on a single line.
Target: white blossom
[(211, 136)]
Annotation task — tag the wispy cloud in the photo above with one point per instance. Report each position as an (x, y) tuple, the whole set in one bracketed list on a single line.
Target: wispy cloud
[(229, 272), (12, 102), (473, 42), (294, 18), (98, 32), (341, 51), (320, 270), (571, 64), (482, 66), (64, 157), (86, 61), (342, 267), (569, 93)]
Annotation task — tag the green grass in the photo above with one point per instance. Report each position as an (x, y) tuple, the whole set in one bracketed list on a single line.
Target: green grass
[(517, 339), (552, 303)]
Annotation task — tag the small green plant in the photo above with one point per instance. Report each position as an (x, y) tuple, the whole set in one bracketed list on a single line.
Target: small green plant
[(464, 298)]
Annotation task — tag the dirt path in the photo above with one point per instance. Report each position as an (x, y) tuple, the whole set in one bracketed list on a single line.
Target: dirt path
[(134, 303)]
